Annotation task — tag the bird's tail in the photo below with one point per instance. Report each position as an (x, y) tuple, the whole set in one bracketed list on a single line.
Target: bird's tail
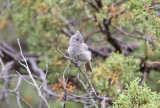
[(88, 66)]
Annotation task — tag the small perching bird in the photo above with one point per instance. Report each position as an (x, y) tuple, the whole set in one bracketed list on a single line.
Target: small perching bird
[(78, 50)]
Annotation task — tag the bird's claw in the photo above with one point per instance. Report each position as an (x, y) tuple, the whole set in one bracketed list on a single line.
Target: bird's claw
[(77, 63)]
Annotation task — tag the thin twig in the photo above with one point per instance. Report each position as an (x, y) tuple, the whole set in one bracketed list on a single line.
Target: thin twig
[(2, 67), (88, 14), (44, 80), (94, 32), (21, 98), (64, 82), (4, 6), (128, 34), (25, 79), (16, 92), (87, 90), (60, 51), (73, 5), (92, 4), (7, 69), (17, 89), (30, 74)]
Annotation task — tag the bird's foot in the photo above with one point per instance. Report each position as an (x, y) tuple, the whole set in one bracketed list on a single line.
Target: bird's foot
[(76, 63), (79, 63)]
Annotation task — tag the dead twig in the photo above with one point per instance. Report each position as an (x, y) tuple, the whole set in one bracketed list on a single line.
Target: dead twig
[(31, 76), (4, 6), (65, 90)]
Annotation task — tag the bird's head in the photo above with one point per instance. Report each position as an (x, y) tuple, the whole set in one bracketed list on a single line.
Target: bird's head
[(76, 39)]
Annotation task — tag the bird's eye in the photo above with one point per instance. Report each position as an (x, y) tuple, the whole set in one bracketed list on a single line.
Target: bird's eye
[(76, 39)]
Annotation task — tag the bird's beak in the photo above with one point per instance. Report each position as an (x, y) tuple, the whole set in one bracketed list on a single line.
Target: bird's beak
[(81, 41)]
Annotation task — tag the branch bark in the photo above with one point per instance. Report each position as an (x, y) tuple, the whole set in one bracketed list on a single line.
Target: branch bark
[(110, 38)]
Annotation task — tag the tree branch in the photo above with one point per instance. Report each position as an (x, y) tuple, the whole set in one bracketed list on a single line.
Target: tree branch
[(110, 38)]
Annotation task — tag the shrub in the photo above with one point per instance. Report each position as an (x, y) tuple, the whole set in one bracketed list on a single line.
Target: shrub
[(115, 72), (137, 96)]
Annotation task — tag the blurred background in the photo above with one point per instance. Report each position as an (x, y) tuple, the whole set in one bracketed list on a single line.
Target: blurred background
[(123, 36)]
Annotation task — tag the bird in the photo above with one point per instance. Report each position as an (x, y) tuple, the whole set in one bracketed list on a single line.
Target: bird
[(79, 51)]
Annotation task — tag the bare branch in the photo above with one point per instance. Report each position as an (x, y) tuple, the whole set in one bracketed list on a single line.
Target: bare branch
[(17, 90), (112, 40), (2, 65), (4, 6), (25, 79), (86, 78), (88, 14), (92, 4), (94, 32), (30, 74), (7, 70), (64, 85), (127, 34), (61, 52), (64, 82), (21, 98), (44, 80), (65, 31), (99, 3), (73, 5), (94, 103)]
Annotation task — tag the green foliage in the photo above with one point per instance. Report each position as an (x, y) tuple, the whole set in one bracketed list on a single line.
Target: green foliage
[(117, 70), (154, 54), (41, 21), (137, 97), (153, 81), (144, 17), (126, 67)]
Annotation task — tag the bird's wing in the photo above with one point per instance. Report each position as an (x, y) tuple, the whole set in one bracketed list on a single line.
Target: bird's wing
[(85, 47)]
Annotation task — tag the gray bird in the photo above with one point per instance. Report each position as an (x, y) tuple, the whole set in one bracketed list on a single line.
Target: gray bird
[(78, 50)]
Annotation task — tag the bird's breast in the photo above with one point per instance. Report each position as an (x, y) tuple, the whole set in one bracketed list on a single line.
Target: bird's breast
[(79, 53)]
